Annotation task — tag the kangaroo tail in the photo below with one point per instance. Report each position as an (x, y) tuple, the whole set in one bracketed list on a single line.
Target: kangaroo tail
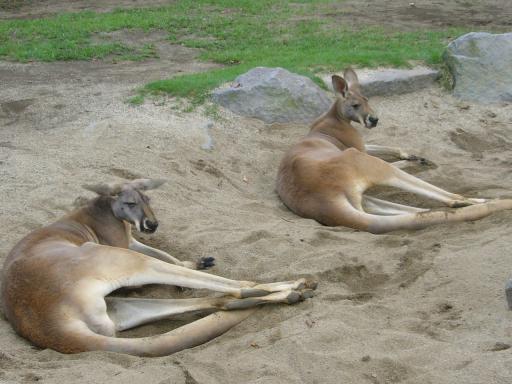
[(187, 336), (348, 216)]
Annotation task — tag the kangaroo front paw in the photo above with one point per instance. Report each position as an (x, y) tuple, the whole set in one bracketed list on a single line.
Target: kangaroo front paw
[(420, 160), (425, 162), (201, 263), (205, 262)]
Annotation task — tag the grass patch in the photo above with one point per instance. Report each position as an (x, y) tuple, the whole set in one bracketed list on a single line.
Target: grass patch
[(136, 100), (241, 34), (147, 51), (309, 53)]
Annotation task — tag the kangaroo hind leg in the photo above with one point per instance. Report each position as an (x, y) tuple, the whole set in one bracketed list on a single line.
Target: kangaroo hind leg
[(127, 313), (382, 207), (158, 272), (125, 268), (403, 180)]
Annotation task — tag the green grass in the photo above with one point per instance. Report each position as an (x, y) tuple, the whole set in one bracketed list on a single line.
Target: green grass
[(240, 34), (136, 100)]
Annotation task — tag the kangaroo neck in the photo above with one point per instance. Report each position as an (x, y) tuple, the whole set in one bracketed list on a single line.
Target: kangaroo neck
[(338, 130), (98, 217)]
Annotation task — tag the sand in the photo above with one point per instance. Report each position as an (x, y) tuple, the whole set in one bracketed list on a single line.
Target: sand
[(408, 307), (413, 307)]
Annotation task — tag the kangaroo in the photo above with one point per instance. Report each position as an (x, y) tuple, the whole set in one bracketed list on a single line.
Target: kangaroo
[(324, 176), (56, 278)]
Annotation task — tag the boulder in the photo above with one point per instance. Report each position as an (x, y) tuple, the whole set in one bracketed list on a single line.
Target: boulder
[(391, 81), (481, 67), (274, 95)]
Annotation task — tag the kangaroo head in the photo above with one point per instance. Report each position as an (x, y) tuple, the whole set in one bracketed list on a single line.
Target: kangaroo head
[(130, 203), (351, 104)]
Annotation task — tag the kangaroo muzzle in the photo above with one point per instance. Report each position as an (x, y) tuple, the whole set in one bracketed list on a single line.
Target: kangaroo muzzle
[(149, 226), (371, 121)]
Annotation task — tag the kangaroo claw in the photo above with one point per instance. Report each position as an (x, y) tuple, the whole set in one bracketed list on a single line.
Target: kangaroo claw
[(205, 262)]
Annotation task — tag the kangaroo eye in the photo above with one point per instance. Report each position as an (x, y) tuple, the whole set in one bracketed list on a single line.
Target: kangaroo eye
[(356, 105), (130, 204)]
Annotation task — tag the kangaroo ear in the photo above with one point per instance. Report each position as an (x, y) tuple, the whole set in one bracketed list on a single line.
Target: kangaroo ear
[(339, 85), (351, 78), (103, 189), (146, 184)]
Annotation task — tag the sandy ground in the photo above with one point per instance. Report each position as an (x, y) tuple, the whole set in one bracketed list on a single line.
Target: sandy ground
[(408, 307)]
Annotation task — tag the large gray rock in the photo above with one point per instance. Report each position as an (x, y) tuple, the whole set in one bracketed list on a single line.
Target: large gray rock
[(481, 66), (274, 95), (390, 81)]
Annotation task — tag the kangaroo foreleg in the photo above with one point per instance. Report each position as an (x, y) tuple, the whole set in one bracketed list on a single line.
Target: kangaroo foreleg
[(395, 153), (202, 263), (388, 152), (403, 164)]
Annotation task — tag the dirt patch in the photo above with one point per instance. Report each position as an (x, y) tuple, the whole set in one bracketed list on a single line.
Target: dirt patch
[(151, 44), (398, 15), (409, 15), (171, 59), (41, 8), (15, 107)]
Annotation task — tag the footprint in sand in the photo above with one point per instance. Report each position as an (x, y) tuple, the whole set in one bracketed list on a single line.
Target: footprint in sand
[(124, 174), (14, 108)]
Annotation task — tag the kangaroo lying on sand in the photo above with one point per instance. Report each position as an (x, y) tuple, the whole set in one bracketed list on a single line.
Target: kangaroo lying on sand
[(56, 278), (325, 175)]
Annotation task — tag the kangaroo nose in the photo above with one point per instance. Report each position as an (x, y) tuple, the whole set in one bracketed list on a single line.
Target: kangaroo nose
[(151, 226), (373, 120)]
